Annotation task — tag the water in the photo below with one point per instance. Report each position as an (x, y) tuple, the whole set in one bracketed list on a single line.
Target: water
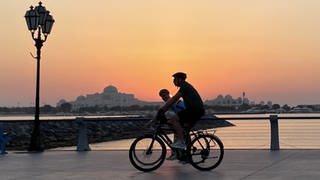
[(246, 134), (62, 117), (293, 134), (23, 117), (253, 134)]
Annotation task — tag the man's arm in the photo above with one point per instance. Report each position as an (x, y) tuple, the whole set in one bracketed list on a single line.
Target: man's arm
[(172, 100)]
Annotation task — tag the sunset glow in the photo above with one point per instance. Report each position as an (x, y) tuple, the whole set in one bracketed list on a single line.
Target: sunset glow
[(268, 49)]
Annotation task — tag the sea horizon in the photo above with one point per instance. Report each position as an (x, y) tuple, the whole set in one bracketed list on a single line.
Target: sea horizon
[(245, 134), (219, 115)]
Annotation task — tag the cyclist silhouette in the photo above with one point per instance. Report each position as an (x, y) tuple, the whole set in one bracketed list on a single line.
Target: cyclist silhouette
[(187, 117)]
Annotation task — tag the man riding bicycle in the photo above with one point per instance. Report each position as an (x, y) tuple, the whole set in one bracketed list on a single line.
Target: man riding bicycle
[(187, 117)]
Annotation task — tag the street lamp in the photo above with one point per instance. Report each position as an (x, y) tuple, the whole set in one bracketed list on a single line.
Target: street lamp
[(38, 21)]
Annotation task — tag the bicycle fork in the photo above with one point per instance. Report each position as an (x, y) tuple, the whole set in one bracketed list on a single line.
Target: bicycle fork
[(149, 150)]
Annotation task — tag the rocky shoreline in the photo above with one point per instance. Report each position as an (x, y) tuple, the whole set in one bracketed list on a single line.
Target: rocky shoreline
[(63, 133)]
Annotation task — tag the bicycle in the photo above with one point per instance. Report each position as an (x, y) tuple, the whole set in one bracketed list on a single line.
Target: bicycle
[(148, 152)]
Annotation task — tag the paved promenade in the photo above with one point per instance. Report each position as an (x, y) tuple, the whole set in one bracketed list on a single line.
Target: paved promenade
[(110, 165)]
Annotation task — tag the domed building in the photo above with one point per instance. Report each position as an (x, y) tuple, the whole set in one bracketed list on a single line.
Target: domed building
[(81, 98), (110, 90), (62, 101), (110, 97)]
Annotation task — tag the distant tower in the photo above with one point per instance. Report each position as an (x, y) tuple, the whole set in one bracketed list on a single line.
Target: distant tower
[(243, 95)]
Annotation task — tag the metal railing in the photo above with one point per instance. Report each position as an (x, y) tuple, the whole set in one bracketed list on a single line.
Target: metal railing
[(274, 125), (273, 120)]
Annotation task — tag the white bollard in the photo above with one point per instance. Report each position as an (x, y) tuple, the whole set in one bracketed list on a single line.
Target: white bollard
[(83, 144)]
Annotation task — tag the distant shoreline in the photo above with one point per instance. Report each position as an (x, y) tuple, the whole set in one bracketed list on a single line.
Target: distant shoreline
[(29, 117)]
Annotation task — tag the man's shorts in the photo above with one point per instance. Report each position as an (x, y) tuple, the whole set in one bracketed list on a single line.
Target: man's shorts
[(190, 116)]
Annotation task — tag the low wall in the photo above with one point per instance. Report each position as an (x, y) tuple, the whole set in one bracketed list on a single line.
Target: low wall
[(62, 133)]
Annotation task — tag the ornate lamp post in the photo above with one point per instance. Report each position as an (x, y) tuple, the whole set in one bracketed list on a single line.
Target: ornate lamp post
[(39, 22)]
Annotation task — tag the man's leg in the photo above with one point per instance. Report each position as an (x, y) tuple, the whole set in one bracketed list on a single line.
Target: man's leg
[(169, 115), (174, 121)]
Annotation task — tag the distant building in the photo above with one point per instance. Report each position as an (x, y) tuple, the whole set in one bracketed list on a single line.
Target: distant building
[(110, 97), (227, 101), (269, 103)]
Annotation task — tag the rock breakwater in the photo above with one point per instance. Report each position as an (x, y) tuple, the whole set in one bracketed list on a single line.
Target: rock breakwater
[(63, 133)]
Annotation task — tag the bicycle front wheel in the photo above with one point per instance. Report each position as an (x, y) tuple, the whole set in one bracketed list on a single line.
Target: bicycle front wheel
[(205, 152), (147, 153)]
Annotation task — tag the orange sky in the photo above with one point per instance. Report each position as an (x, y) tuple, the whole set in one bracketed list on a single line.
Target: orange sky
[(267, 48)]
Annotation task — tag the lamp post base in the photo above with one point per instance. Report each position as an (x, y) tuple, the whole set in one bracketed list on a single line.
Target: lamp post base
[(35, 144)]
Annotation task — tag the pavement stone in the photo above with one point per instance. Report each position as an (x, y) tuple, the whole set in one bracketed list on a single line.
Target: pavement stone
[(115, 165)]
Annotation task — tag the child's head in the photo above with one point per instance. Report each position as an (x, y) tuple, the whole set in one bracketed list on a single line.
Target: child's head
[(164, 94)]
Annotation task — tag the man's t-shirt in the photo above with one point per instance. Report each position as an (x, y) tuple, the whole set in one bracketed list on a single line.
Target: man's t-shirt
[(190, 96)]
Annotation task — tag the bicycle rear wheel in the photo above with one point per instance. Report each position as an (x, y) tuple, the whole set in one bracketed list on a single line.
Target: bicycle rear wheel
[(147, 153), (205, 152)]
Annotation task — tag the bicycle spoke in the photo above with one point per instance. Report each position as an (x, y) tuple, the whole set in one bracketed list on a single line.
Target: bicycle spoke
[(147, 153), (206, 152)]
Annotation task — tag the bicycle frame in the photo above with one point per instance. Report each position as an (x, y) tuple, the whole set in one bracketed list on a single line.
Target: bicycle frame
[(197, 153), (159, 132)]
